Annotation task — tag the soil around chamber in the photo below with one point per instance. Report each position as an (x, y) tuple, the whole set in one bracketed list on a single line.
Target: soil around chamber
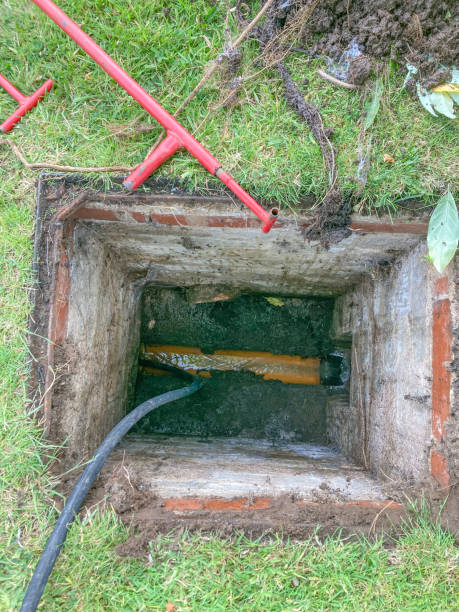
[(283, 519), (423, 32), (147, 516)]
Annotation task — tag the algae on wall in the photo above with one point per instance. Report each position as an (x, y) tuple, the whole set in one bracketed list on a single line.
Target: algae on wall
[(300, 326), (238, 404)]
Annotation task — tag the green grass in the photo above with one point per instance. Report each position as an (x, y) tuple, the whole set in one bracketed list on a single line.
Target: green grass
[(261, 141), (199, 573), (269, 151)]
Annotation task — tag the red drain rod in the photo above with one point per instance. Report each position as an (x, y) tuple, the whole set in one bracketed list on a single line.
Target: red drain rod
[(177, 136), (26, 103)]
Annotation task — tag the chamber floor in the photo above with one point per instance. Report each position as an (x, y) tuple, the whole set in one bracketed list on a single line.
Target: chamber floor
[(233, 467)]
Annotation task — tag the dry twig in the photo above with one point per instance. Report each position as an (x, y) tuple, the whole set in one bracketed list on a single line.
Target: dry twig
[(131, 128), (216, 63), (375, 520), (44, 165), (214, 66), (334, 80)]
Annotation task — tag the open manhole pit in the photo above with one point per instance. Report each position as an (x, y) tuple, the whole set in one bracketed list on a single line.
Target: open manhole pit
[(258, 428), (123, 277)]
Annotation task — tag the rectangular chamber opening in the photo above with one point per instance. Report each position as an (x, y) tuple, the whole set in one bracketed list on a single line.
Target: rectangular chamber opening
[(258, 427), (317, 361), (250, 350)]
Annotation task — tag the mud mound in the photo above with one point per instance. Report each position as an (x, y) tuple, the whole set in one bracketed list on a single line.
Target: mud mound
[(424, 32)]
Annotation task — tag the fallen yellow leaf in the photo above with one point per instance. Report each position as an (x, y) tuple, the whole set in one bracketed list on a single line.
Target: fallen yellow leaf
[(446, 88), (275, 301), (388, 158)]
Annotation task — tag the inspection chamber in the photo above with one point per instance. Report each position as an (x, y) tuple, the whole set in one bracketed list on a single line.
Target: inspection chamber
[(127, 279)]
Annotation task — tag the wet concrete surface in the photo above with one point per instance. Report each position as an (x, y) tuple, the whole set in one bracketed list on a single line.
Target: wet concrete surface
[(233, 467)]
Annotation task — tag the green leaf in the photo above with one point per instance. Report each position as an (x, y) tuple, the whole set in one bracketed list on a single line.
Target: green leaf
[(439, 102), (373, 107), (443, 103), (443, 232)]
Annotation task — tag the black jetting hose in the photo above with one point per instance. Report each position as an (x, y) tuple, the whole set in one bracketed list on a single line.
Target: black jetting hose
[(57, 538)]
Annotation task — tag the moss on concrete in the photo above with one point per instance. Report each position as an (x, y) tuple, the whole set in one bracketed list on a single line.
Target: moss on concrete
[(300, 326), (237, 403)]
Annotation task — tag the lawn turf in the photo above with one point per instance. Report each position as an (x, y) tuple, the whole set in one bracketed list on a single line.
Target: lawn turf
[(166, 46), (271, 152)]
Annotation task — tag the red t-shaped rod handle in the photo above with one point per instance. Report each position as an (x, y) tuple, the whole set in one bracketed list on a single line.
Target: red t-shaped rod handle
[(26, 103), (177, 135)]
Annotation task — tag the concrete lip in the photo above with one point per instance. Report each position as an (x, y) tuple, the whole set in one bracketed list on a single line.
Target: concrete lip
[(391, 429), (227, 468)]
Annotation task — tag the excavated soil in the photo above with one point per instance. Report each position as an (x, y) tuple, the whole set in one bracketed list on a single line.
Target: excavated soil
[(424, 32), (146, 516)]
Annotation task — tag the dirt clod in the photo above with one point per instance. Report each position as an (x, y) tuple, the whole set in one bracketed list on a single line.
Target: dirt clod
[(121, 492), (359, 69), (332, 221), (437, 78), (424, 32)]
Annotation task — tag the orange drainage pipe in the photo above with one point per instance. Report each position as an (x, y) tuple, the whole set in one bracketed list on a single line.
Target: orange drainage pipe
[(286, 368)]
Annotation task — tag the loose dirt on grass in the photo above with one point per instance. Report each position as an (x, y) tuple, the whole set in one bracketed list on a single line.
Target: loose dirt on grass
[(423, 32), (146, 515)]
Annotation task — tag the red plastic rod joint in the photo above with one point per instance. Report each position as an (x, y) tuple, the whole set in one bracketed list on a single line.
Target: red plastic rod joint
[(177, 135), (26, 103), (166, 149)]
